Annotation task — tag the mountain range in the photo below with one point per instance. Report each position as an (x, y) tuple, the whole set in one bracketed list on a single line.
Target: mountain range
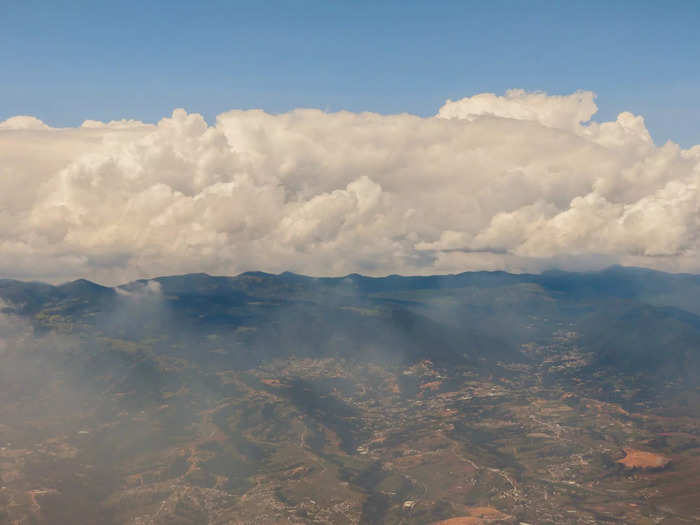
[(209, 399)]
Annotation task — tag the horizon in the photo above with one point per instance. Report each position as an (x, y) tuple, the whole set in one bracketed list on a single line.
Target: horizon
[(354, 274)]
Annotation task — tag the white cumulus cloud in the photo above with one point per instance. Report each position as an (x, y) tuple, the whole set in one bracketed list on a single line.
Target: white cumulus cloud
[(520, 182)]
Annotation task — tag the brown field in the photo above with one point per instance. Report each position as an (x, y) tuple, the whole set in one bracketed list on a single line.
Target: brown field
[(476, 516), (640, 459)]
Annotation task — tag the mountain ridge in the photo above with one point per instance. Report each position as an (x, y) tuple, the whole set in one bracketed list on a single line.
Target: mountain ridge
[(545, 275)]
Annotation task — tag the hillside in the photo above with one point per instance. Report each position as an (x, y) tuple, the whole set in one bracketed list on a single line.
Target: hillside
[(286, 398)]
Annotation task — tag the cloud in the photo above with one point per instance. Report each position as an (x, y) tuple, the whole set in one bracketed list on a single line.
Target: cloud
[(562, 112), (521, 182), (23, 122)]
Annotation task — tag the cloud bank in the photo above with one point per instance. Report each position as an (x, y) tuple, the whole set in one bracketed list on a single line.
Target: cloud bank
[(520, 182)]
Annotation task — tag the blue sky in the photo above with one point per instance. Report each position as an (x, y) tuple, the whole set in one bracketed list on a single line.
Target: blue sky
[(69, 61)]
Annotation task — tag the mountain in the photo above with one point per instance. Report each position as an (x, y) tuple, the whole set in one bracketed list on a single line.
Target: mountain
[(261, 398)]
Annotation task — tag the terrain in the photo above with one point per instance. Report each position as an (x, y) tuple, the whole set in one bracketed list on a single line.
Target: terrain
[(478, 398)]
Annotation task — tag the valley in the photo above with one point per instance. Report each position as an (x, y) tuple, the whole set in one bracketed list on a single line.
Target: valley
[(312, 404)]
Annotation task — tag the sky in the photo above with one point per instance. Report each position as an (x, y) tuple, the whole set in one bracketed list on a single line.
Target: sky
[(335, 137), (67, 61)]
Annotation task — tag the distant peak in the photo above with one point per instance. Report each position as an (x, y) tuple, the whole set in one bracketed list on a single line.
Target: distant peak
[(256, 274), (82, 283), (83, 286)]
